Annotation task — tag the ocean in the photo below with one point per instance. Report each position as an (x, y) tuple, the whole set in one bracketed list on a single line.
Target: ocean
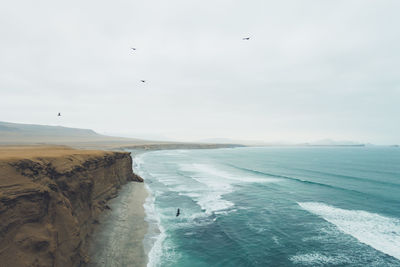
[(273, 206)]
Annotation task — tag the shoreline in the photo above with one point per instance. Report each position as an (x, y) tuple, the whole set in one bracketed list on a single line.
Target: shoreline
[(118, 239), (51, 198), (154, 231), (155, 234), (93, 186)]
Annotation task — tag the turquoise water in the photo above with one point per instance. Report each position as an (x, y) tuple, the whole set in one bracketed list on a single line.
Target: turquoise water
[(273, 206)]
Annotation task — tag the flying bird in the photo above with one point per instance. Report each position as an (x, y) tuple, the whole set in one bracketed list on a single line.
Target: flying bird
[(59, 114), (178, 212), (246, 38), (133, 48), (143, 81)]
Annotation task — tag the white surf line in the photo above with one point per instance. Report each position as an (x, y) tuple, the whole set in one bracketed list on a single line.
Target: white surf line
[(380, 232), (155, 235)]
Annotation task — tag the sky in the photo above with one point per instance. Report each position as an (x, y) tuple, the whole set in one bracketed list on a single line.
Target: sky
[(312, 69)]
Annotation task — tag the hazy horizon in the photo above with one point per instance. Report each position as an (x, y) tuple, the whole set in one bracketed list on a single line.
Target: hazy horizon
[(311, 70), (7, 129)]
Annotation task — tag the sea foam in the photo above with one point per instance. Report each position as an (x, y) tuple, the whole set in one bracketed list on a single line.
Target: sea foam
[(380, 232), (153, 241), (209, 198), (155, 234), (219, 182)]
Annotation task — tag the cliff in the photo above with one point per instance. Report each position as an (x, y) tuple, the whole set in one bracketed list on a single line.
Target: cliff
[(50, 199)]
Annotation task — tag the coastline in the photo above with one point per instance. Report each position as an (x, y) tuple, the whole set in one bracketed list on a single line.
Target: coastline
[(155, 233), (91, 205), (118, 239), (51, 198)]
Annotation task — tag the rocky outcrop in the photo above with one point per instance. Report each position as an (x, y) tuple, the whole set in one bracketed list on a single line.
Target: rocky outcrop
[(48, 206)]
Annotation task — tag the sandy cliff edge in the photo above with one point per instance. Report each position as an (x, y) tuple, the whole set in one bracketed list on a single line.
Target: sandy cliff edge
[(50, 199)]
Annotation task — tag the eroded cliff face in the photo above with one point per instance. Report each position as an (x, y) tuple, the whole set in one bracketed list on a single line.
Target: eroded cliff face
[(49, 205)]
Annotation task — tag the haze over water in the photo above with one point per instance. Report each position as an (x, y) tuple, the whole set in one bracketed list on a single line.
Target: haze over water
[(275, 206)]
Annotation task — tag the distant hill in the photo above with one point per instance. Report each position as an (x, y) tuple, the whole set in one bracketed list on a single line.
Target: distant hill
[(17, 133), (33, 134), (43, 130)]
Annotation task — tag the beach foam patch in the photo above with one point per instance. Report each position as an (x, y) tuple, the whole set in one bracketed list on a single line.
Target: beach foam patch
[(380, 232)]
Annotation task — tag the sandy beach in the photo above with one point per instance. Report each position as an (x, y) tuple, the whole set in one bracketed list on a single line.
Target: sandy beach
[(118, 239)]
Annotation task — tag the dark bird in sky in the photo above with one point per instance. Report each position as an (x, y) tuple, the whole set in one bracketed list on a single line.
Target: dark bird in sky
[(178, 212), (59, 114), (143, 81), (133, 48), (246, 38)]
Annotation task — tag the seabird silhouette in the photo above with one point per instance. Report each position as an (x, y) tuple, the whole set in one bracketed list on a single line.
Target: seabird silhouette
[(59, 114), (178, 212), (143, 81), (246, 38), (133, 48)]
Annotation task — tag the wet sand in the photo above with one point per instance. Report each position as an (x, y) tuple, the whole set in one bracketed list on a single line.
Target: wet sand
[(118, 239)]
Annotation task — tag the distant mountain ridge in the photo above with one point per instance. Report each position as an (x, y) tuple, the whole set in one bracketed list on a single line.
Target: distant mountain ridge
[(41, 130), (33, 134), (18, 133)]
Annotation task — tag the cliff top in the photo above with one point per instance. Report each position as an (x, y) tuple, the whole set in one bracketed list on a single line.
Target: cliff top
[(50, 200), (32, 152)]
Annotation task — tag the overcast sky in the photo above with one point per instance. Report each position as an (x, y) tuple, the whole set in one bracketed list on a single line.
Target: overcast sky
[(311, 70)]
